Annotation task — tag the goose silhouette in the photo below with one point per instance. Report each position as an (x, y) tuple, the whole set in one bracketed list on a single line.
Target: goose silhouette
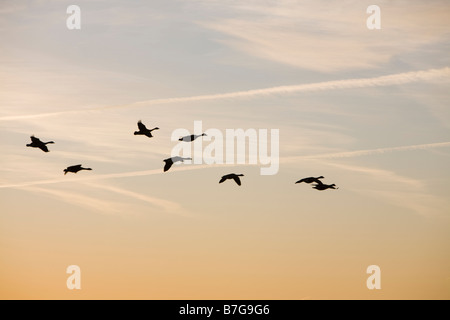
[(143, 131), (75, 169), (321, 186), (169, 162), (192, 137), (36, 143), (310, 180), (232, 176)]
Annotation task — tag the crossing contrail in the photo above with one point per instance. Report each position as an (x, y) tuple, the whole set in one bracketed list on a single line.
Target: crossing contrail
[(395, 79), (359, 153), (94, 177), (337, 155), (389, 80)]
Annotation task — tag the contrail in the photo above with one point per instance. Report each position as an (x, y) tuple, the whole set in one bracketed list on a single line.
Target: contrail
[(337, 155), (389, 80), (359, 153), (97, 177), (395, 79), (42, 115)]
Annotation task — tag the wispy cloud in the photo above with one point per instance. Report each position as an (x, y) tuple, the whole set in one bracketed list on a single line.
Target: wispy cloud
[(42, 115), (382, 81), (389, 80), (328, 36), (360, 153), (97, 158), (79, 199), (378, 174), (401, 191), (350, 154), (97, 203), (98, 177), (417, 200), (81, 179), (162, 204)]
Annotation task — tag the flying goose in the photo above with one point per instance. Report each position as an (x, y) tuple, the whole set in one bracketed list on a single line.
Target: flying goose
[(233, 176), (310, 180), (192, 137), (75, 169), (321, 186), (143, 131), (36, 143), (169, 162)]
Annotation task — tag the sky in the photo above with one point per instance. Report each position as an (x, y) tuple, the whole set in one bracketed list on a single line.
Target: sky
[(366, 109)]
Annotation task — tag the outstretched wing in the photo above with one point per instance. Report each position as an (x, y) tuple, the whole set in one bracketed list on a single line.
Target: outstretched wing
[(223, 180), (43, 147), (142, 126), (238, 180), (177, 159), (78, 166), (35, 140), (168, 165)]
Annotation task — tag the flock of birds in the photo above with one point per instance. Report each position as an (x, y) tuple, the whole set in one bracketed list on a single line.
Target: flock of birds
[(144, 131), (319, 185)]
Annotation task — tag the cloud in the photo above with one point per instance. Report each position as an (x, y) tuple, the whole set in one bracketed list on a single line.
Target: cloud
[(350, 154), (398, 190), (165, 205), (379, 175), (42, 115), (328, 36), (382, 81), (395, 79), (420, 202), (96, 158), (99, 204), (78, 199), (81, 179), (359, 153), (20, 185), (12, 7)]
